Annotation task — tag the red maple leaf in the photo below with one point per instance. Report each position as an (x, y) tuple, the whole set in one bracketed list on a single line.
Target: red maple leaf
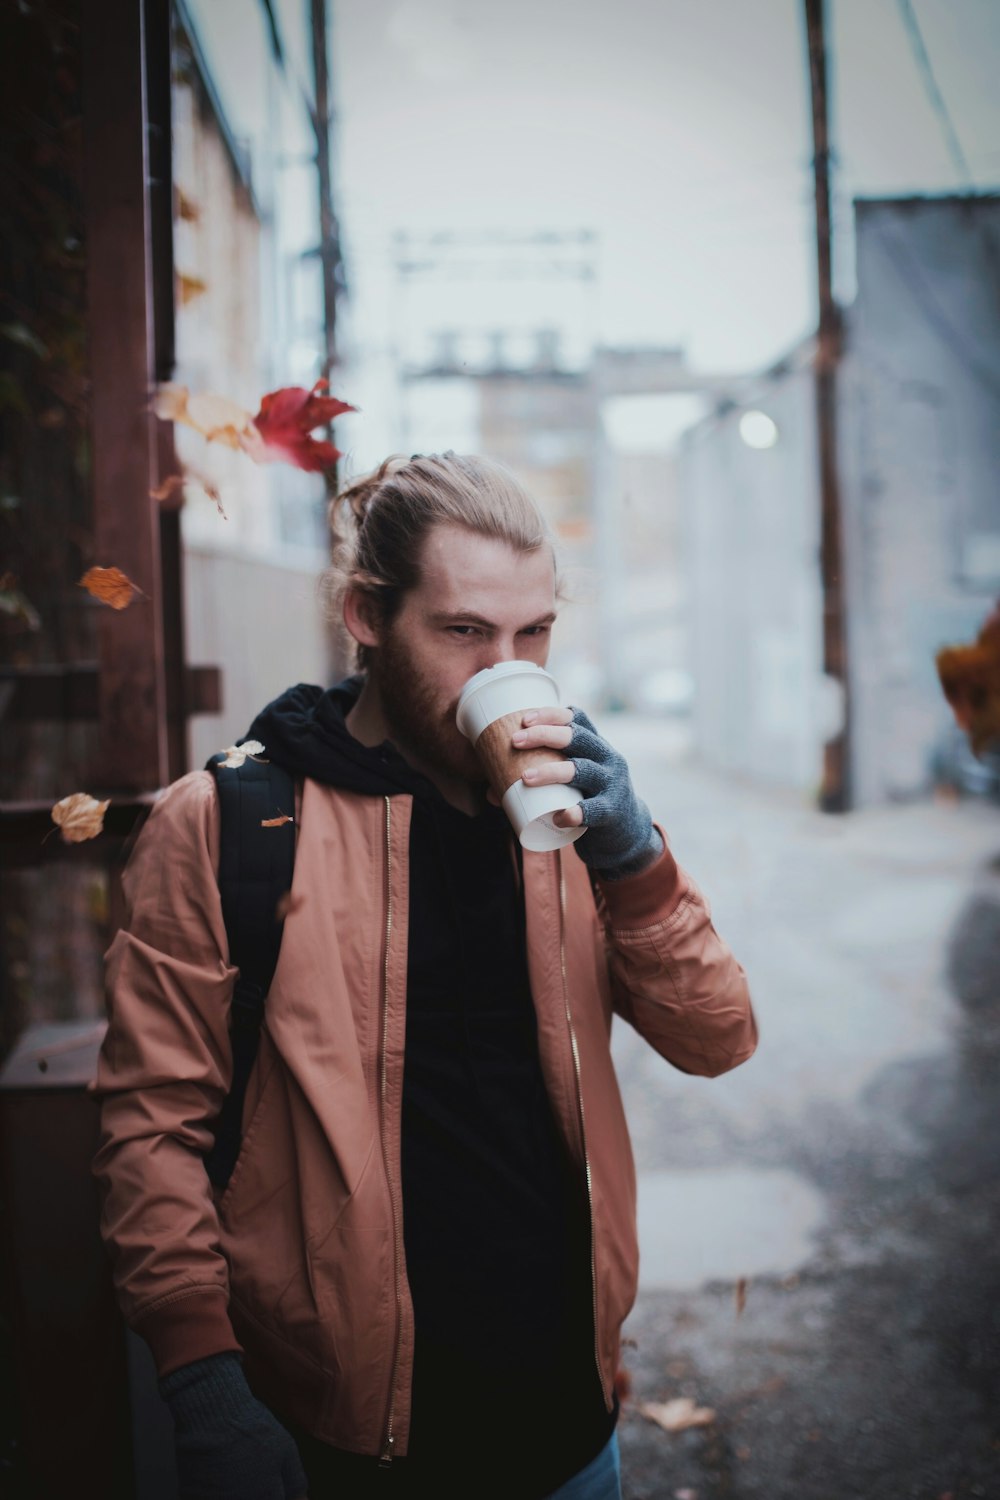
[(281, 429)]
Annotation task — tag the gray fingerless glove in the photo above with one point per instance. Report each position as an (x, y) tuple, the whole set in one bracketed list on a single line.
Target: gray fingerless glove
[(621, 839), (229, 1446)]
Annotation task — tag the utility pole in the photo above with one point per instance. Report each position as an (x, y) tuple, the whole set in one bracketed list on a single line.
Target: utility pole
[(835, 790), (329, 239)]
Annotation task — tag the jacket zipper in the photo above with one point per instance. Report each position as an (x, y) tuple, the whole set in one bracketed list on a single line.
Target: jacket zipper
[(583, 1130), (385, 1457)]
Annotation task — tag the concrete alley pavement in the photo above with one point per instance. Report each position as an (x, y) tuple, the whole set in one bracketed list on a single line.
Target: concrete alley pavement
[(847, 1173)]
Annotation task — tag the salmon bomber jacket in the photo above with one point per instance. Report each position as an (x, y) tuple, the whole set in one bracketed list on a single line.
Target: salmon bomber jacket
[(299, 1262)]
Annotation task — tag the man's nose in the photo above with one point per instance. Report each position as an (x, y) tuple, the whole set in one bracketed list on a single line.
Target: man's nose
[(500, 650)]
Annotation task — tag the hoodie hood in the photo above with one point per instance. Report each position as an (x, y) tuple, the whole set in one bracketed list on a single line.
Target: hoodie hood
[(305, 731)]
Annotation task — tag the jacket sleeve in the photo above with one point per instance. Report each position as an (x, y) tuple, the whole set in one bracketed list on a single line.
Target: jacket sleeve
[(164, 1069), (672, 976)]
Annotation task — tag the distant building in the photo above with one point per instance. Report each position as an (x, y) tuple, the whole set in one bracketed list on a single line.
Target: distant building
[(249, 318), (919, 446)]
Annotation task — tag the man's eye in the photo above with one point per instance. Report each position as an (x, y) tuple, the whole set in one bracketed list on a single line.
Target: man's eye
[(462, 629), (536, 630)]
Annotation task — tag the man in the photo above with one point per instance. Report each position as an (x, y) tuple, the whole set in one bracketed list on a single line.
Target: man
[(421, 1264)]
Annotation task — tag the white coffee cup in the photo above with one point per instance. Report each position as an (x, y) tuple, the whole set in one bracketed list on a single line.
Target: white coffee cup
[(490, 708)]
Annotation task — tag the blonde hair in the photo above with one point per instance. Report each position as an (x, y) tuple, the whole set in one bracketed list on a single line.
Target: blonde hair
[(380, 522)]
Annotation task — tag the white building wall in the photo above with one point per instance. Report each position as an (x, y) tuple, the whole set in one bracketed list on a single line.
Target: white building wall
[(751, 539), (920, 455), (262, 621)]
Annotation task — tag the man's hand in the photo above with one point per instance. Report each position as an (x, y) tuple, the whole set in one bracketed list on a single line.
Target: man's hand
[(621, 839), (229, 1446)]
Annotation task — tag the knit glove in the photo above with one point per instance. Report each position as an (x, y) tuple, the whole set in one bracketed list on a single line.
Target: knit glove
[(228, 1445), (621, 839)]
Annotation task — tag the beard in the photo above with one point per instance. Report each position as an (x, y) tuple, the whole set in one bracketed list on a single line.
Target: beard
[(421, 725)]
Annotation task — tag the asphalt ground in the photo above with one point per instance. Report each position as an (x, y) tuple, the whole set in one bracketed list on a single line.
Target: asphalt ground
[(819, 1228)]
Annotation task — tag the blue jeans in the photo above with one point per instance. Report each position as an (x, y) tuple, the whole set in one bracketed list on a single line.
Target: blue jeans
[(600, 1480)]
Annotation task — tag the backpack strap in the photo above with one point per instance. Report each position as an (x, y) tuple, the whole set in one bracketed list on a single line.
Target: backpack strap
[(255, 871)]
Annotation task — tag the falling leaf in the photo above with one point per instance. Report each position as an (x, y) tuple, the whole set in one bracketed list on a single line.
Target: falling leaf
[(275, 822), (218, 419), (237, 754), (677, 1415), (175, 482), (170, 486), (111, 586), (970, 678), (79, 817), (212, 491), (287, 904), (741, 1296), (186, 207), (190, 287), (280, 432)]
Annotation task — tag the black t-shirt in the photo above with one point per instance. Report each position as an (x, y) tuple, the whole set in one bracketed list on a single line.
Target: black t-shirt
[(496, 1222)]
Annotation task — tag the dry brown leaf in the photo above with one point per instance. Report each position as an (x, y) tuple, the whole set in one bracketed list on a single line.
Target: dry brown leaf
[(741, 1296), (190, 287), (79, 816), (170, 486), (175, 482), (278, 822), (111, 586), (970, 679), (218, 419), (212, 491), (287, 904), (187, 208), (237, 754), (677, 1415)]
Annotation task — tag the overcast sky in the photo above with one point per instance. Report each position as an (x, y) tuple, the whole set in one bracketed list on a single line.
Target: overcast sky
[(678, 130)]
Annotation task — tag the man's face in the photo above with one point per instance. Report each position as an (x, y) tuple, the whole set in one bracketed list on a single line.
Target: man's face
[(478, 602)]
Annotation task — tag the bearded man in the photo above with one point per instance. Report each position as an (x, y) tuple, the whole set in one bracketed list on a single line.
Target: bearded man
[(416, 1277)]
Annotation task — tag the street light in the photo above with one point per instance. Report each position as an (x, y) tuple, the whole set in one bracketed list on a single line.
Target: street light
[(758, 430)]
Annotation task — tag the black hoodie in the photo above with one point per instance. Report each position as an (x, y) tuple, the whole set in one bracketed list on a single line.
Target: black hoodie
[(495, 1225)]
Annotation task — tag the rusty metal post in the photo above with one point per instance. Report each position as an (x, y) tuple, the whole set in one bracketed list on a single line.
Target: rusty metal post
[(133, 738), (835, 793), (329, 234)]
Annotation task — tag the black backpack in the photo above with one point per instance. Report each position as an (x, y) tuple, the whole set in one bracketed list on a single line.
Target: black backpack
[(255, 872)]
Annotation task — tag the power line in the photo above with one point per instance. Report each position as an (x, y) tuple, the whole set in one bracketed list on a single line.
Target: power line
[(934, 94)]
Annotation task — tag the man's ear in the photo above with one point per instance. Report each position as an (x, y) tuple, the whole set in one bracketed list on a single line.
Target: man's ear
[(359, 617)]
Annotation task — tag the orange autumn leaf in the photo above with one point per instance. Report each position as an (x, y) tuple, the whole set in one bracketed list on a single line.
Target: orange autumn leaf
[(186, 208), (278, 822), (111, 586), (189, 287), (170, 486), (280, 432), (79, 817), (970, 678)]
